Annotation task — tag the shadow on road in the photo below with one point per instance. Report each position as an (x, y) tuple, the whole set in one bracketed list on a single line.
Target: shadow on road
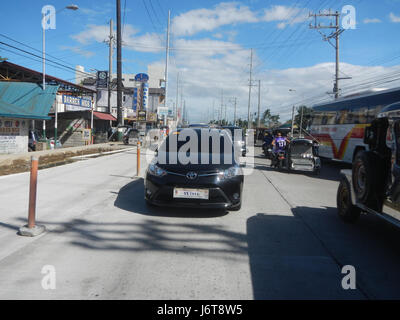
[(287, 261), (131, 198), (150, 235)]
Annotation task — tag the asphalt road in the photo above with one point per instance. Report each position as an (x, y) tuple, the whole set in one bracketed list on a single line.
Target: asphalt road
[(104, 242)]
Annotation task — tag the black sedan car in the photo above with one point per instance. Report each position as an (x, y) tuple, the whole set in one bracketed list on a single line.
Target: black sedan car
[(195, 168)]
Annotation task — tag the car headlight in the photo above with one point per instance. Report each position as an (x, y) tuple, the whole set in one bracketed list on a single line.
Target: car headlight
[(156, 170), (307, 155), (230, 173)]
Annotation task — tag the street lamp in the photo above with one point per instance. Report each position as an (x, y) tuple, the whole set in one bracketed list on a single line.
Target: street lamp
[(73, 7)]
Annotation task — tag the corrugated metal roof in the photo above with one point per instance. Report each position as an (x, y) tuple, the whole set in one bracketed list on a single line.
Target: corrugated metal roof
[(103, 116), (26, 100)]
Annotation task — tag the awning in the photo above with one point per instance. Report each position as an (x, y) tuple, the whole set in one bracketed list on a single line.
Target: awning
[(103, 116), (26, 100)]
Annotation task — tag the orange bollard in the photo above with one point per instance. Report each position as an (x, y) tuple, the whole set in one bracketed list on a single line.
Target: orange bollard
[(138, 159), (32, 192), (31, 229)]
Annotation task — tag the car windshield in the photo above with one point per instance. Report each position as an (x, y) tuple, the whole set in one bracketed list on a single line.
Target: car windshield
[(200, 144)]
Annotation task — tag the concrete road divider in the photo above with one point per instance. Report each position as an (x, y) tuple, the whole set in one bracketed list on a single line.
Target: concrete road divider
[(15, 163)]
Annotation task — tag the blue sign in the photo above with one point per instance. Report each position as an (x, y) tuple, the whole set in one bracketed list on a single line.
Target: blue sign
[(79, 103), (135, 99), (142, 77), (145, 95)]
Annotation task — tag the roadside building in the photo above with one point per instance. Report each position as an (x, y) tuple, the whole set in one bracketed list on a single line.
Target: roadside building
[(74, 112), (20, 104)]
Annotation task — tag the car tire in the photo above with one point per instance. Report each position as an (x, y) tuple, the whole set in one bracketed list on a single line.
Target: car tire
[(367, 178), (346, 210)]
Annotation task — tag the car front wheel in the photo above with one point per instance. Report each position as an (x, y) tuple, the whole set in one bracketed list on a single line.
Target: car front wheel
[(346, 210)]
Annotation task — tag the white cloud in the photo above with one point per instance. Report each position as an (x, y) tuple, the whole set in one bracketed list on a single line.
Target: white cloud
[(394, 18), (194, 21), (82, 52), (229, 13), (372, 20), (205, 73), (286, 15), (92, 33), (149, 42)]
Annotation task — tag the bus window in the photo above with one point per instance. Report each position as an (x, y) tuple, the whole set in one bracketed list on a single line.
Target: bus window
[(360, 116), (316, 119), (349, 118), (342, 115), (372, 112), (331, 118)]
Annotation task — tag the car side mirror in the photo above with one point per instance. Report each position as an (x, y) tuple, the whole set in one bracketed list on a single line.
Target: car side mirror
[(369, 135)]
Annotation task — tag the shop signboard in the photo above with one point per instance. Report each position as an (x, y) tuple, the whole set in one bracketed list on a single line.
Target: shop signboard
[(141, 115), (102, 79), (73, 103)]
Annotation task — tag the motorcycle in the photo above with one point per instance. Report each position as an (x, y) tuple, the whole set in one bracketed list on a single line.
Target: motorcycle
[(267, 149), (279, 160)]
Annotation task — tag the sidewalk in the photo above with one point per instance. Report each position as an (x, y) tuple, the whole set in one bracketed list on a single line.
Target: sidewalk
[(15, 163)]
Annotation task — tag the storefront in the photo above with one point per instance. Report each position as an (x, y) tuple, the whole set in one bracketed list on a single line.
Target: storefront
[(20, 103)]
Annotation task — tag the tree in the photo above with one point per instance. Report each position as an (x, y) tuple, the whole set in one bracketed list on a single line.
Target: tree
[(306, 113), (269, 119)]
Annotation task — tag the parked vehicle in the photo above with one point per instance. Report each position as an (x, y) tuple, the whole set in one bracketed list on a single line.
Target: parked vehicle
[(339, 124), (302, 156), (130, 134), (373, 184), (214, 184), (33, 139), (239, 139)]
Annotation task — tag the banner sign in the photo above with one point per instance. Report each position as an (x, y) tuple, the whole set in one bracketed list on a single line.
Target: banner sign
[(141, 115), (135, 99), (142, 77), (102, 79), (86, 134), (145, 95), (77, 104), (162, 111)]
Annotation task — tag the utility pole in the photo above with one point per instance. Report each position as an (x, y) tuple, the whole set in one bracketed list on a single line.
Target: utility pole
[(119, 65), (250, 85), (166, 65), (213, 111), (226, 119), (110, 58), (335, 34), (177, 94), (222, 105), (301, 122), (234, 114), (259, 103), (292, 121)]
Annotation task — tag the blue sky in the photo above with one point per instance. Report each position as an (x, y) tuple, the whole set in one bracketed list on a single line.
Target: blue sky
[(211, 43)]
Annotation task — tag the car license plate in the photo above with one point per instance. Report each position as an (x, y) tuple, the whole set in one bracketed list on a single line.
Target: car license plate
[(191, 193)]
